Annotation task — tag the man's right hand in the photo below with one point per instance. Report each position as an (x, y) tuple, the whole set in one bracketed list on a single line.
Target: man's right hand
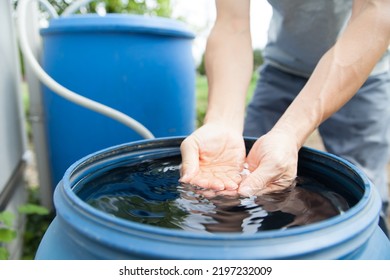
[(213, 157)]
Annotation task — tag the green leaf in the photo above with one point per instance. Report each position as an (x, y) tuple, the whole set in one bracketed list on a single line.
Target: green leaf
[(7, 235), (7, 218), (4, 255), (33, 209)]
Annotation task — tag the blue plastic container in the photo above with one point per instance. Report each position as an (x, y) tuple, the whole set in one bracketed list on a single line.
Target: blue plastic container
[(141, 66), (80, 231)]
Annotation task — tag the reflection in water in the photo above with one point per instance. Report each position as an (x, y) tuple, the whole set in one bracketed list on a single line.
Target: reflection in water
[(149, 193), (303, 204)]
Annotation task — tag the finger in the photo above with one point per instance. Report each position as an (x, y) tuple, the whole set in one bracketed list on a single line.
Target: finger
[(270, 185), (207, 181), (230, 185), (230, 193), (190, 160), (209, 194), (216, 184), (233, 180), (255, 182), (228, 180)]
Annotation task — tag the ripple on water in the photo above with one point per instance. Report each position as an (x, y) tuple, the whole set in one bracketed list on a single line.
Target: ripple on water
[(150, 193)]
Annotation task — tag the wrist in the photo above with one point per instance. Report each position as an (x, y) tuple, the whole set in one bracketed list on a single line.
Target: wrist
[(232, 121), (293, 132), (300, 119)]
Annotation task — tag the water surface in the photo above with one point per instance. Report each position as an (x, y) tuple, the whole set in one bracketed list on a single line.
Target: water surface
[(149, 193)]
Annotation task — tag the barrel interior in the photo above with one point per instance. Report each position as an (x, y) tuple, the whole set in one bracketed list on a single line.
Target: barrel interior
[(111, 178)]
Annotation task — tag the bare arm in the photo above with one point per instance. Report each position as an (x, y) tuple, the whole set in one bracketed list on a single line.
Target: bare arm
[(214, 155), (342, 70), (338, 76), (229, 63)]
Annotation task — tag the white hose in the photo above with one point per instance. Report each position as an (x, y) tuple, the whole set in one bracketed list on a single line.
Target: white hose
[(50, 8), (61, 90), (75, 6)]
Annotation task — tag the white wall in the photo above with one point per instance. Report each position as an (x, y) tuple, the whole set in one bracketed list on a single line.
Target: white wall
[(12, 139), (12, 132)]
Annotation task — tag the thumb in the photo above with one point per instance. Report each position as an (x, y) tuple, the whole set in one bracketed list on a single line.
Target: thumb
[(255, 183), (190, 160)]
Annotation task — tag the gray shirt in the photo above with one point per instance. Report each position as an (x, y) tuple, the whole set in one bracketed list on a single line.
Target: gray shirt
[(301, 31)]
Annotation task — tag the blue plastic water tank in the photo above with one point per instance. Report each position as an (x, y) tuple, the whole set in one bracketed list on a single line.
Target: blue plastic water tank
[(141, 66), (80, 231)]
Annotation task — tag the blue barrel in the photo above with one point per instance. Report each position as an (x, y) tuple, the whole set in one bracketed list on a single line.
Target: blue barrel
[(141, 66), (80, 231)]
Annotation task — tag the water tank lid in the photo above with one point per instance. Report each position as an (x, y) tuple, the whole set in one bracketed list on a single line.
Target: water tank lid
[(118, 23)]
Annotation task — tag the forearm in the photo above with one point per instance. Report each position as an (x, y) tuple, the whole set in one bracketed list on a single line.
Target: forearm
[(341, 71), (229, 67)]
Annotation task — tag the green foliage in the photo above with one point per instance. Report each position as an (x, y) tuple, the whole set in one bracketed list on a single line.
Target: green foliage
[(38, 220), (6, 218), (31, 209), (7, 234), (160, 8), (258, 60), (35, 229), (26, 107), (4, 255), (201, 99), (202, 66)]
